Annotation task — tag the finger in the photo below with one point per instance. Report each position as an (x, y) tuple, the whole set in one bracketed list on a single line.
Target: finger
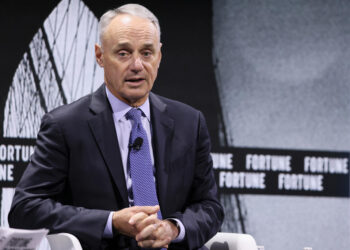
[(146, 232), (147, 209), (137, 218), (145, 243), (152, 244), (166, 229), (163, 235), (161, 231), (152, 219), (161, 243)]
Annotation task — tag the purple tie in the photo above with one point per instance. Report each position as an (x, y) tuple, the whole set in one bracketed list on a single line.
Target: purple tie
[(141, 168)]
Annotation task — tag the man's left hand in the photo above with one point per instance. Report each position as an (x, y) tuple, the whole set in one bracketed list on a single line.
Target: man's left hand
[(157, 235)]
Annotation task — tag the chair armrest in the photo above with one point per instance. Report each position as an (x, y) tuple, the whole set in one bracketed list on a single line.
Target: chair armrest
[(231, 241), (63, 241)]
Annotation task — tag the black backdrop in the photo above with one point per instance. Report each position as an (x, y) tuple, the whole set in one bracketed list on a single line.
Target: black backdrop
[(186, 71)]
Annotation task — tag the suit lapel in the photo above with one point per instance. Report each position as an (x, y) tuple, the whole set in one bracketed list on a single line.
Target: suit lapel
[(102, 127), (163, 128)]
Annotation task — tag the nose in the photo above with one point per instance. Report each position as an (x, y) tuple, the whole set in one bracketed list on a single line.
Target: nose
[(136, 65)]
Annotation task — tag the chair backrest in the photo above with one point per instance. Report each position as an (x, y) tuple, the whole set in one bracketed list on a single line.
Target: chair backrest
[(231, 241), (64, 241)]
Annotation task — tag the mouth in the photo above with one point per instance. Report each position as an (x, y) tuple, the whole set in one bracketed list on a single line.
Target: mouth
[(135, 80)]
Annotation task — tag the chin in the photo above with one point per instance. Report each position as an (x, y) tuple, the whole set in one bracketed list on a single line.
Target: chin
[(134, 98)]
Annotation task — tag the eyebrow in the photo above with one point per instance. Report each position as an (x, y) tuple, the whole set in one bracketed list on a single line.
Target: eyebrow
[(124, 44), (128, 45), (148, 45)]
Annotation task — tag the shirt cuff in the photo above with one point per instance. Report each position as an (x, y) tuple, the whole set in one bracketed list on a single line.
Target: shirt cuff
[(181, 228), (108, 232)]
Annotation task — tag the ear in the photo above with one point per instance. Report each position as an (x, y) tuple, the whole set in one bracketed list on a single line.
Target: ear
[(160, 54), (99, 55)]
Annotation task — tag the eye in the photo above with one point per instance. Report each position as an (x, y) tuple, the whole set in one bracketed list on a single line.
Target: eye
[(147, 53), (123, 53)]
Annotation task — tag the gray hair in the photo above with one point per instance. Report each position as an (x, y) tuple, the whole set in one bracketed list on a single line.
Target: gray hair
[(131, 9)]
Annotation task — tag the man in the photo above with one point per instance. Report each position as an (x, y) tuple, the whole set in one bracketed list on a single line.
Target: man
[(83, 179)]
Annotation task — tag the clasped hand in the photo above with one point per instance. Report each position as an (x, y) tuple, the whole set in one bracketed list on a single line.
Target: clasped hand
[(141, 223)]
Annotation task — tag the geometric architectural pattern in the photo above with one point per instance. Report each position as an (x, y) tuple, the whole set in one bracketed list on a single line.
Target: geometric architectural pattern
[(58, 68)]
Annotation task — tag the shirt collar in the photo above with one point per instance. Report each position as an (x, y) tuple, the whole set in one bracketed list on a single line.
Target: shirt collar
[(120, 108)]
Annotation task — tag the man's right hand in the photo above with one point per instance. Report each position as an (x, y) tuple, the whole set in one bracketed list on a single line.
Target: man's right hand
[(132, 220)]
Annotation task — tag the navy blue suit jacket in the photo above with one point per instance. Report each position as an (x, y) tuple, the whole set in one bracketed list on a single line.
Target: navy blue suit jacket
[(75, 177)]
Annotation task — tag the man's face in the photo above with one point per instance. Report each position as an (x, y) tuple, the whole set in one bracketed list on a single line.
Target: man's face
[(130, 55)]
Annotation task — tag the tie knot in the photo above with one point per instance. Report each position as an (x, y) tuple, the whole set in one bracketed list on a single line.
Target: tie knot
[(134, 114)]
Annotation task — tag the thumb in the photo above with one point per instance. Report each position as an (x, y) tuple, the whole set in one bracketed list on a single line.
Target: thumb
[(151, 209), (146, 209)]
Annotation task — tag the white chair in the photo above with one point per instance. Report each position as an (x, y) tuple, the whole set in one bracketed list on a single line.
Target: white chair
[(221, 241), (231, 241), (64, 241)]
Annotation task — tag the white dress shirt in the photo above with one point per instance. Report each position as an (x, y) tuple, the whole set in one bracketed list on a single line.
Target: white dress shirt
[(123, 129)]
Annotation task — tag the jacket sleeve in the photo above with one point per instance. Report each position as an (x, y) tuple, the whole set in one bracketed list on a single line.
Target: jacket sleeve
[(203, 214), (40, 199)]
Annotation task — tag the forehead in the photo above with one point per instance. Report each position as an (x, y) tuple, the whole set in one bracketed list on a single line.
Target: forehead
[(126, 28)]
